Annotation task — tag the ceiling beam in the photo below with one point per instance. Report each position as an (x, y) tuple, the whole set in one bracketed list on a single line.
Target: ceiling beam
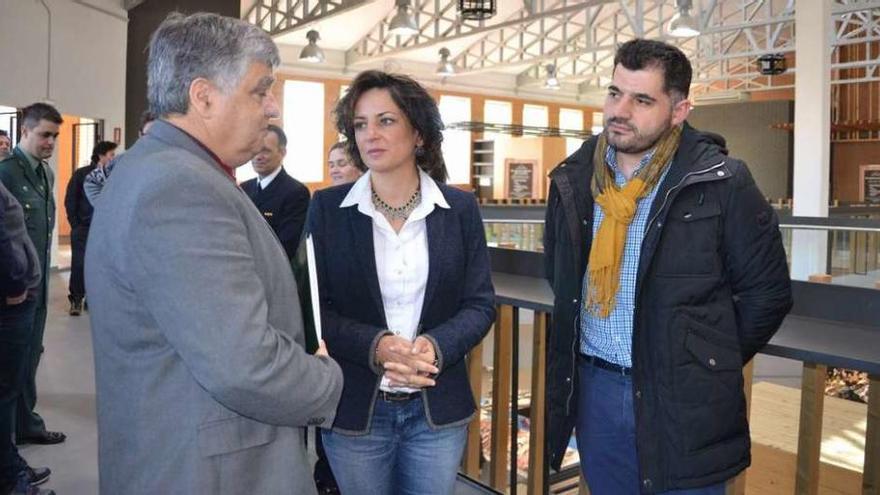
[(439, 23), (276, 19)]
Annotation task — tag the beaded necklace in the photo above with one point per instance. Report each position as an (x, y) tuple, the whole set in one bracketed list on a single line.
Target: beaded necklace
[(400, 212)]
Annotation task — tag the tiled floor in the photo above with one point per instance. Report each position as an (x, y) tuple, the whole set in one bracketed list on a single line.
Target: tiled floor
[(66, 388)]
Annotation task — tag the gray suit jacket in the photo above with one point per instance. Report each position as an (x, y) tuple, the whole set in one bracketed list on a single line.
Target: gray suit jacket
[(202, 379)]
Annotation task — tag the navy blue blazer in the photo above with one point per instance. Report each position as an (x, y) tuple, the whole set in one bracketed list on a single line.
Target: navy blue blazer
[(459, 305), (284, 204)]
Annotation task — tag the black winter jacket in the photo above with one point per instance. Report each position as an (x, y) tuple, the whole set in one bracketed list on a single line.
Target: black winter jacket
[(712, 288)]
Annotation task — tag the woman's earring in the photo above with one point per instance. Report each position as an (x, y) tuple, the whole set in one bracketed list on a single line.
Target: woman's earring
[(420, 151)]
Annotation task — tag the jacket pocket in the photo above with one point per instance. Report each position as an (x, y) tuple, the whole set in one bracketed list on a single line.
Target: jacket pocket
[(690, 241), (231, 435), (708, 388)]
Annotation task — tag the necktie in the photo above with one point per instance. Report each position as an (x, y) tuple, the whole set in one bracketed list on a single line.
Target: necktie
[(41, 174)]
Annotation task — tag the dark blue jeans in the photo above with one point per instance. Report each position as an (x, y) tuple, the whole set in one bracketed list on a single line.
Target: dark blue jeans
[(401, 455), (606, 435), (16, 325)]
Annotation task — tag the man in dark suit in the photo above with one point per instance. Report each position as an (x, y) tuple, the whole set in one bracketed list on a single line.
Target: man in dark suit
[(281, 199), (27, 175)]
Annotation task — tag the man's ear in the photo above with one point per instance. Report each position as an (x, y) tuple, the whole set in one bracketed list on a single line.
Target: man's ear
[(680, 111), (201, 97)]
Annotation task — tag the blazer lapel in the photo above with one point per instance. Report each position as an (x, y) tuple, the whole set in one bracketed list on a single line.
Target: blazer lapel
[(435, 226), (362, 227)]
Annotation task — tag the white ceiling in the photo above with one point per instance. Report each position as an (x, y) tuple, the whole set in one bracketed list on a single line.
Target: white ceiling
[(578, 35)]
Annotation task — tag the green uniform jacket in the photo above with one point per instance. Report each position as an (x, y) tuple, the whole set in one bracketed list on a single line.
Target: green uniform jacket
[(38, 203)]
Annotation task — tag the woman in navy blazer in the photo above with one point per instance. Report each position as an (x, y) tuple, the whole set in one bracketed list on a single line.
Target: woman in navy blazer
[(406, 293)]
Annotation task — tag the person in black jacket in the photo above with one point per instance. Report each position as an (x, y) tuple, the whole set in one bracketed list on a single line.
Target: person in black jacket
[(281, 199), (20, 278), (79, 214), (669, 274)]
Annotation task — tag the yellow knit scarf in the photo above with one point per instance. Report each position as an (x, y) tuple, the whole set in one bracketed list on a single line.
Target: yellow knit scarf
[(619, 206)]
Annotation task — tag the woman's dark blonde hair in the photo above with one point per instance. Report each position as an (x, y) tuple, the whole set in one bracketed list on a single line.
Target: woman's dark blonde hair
[(415, 102)]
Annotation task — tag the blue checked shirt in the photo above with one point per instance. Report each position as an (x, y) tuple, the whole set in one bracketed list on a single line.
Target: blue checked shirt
[(611, 338)]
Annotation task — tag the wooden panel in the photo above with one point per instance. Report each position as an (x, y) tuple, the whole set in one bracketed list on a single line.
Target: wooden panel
[(501, 373), (871, 478), (810, 429), (846, 158), (537, 440), (474, 444)]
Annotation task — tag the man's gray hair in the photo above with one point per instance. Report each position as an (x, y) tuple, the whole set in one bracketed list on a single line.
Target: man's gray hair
[(219, 49)]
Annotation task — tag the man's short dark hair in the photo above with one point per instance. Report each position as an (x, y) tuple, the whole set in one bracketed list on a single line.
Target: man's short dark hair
[(640, 54), (33, 114), (4, 133), (282, 138)]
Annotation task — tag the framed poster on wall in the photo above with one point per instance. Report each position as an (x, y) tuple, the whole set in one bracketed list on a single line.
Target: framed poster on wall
[(521, 179), (869, 184)]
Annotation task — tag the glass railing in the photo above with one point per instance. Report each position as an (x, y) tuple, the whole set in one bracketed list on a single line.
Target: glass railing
[(852, 252), (526, 235)]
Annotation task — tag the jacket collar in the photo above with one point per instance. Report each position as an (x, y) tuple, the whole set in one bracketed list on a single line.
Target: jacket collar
[(696, 152), (174, 136), (361, 192), (30, 174)]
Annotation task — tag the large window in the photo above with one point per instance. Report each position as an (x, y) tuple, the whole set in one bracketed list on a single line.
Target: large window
[(496, 112), (7, 121), (304, 121), (598, 123), (86, 139), (572, 120), (535, 116), (456, 143)]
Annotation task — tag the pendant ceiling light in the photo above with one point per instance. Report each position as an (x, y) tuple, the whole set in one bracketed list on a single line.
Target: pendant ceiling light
[(445, 67), (403, 23), (312, 52), (552, 82), (682, 24), (476, 10)]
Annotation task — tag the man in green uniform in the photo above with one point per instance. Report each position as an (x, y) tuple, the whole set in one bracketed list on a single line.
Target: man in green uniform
[(26, 174)]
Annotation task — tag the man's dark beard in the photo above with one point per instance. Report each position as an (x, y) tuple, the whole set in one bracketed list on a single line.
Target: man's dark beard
[(637, 146)]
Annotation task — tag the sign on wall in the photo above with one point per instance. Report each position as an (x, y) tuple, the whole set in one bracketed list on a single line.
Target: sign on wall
[(869, 184), (521, 178)]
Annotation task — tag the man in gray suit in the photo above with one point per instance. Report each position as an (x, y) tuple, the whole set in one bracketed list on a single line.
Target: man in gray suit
[(203, 383)]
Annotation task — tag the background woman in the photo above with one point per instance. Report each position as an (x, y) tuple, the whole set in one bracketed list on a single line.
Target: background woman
[(405, 294), (342, 168)]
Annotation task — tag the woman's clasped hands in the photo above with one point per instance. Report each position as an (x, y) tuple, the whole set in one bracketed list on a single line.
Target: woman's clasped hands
[(406, 363)]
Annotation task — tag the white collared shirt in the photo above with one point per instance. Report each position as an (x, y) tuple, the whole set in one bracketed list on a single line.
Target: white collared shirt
[(265, 181), (401, 257)]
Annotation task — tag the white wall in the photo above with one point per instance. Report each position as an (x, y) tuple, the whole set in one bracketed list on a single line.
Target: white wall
[(87, 61)]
